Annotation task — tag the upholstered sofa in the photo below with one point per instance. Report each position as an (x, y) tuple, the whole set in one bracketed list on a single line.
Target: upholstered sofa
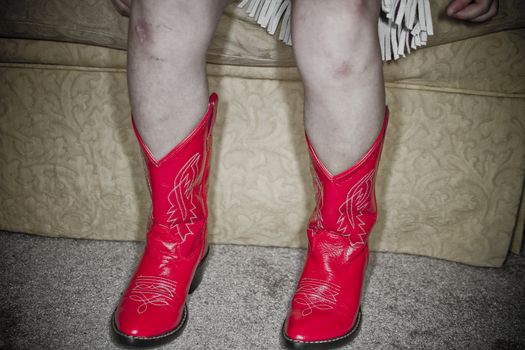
[(452, 174)]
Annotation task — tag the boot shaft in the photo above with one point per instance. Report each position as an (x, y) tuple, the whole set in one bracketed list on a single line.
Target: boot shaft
[(178, 181), (346, 203)]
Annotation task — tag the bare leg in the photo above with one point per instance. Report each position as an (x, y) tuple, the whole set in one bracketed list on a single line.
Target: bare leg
[(168, 88), (337, 51)]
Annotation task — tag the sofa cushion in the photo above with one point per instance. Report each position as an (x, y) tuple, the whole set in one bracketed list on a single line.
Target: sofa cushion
[(238, 40)]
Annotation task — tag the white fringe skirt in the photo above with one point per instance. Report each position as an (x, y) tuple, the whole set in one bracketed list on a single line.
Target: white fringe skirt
[(403, 25)]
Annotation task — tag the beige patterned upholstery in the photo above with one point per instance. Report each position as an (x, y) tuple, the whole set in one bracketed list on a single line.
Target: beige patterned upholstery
[(450, 182)]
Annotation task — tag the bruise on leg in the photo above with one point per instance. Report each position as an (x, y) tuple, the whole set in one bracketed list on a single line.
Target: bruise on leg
[(144, 34), (143, 30), (342, 70)]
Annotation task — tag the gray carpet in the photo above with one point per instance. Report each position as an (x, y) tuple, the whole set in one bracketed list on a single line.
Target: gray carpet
[(60, 293)]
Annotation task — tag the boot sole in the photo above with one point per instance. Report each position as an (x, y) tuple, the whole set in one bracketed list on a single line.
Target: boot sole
[(143, 342), (323, 344)]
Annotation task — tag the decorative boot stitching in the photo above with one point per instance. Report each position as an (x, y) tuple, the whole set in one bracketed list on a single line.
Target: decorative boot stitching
[(182, 200), (152, 290), (357, 200), (316, 294)]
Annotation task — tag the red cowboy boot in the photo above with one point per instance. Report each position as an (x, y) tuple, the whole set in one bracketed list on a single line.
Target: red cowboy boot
[(325, 310), (153, 309)]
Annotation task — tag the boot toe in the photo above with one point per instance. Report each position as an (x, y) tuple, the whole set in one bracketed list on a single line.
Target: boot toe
[(323, 327), (152, 324)]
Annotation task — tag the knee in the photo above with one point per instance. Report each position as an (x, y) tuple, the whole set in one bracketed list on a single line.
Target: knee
[(339, 67), (335, 50), (167, 30), (146, 38)]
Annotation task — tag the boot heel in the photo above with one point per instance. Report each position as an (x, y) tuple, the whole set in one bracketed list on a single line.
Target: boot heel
[(197, 278)]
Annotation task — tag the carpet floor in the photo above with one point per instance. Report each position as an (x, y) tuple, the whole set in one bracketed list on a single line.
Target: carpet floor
[(59, 294)]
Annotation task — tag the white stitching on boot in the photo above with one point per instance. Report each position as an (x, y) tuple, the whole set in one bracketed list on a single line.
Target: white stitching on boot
[(152, 290), (181, 194), (316, 294), (357, 200)]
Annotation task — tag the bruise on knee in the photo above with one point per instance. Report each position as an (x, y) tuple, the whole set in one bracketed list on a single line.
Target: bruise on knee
[(342, 70), (142, 30), (144, 34)]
